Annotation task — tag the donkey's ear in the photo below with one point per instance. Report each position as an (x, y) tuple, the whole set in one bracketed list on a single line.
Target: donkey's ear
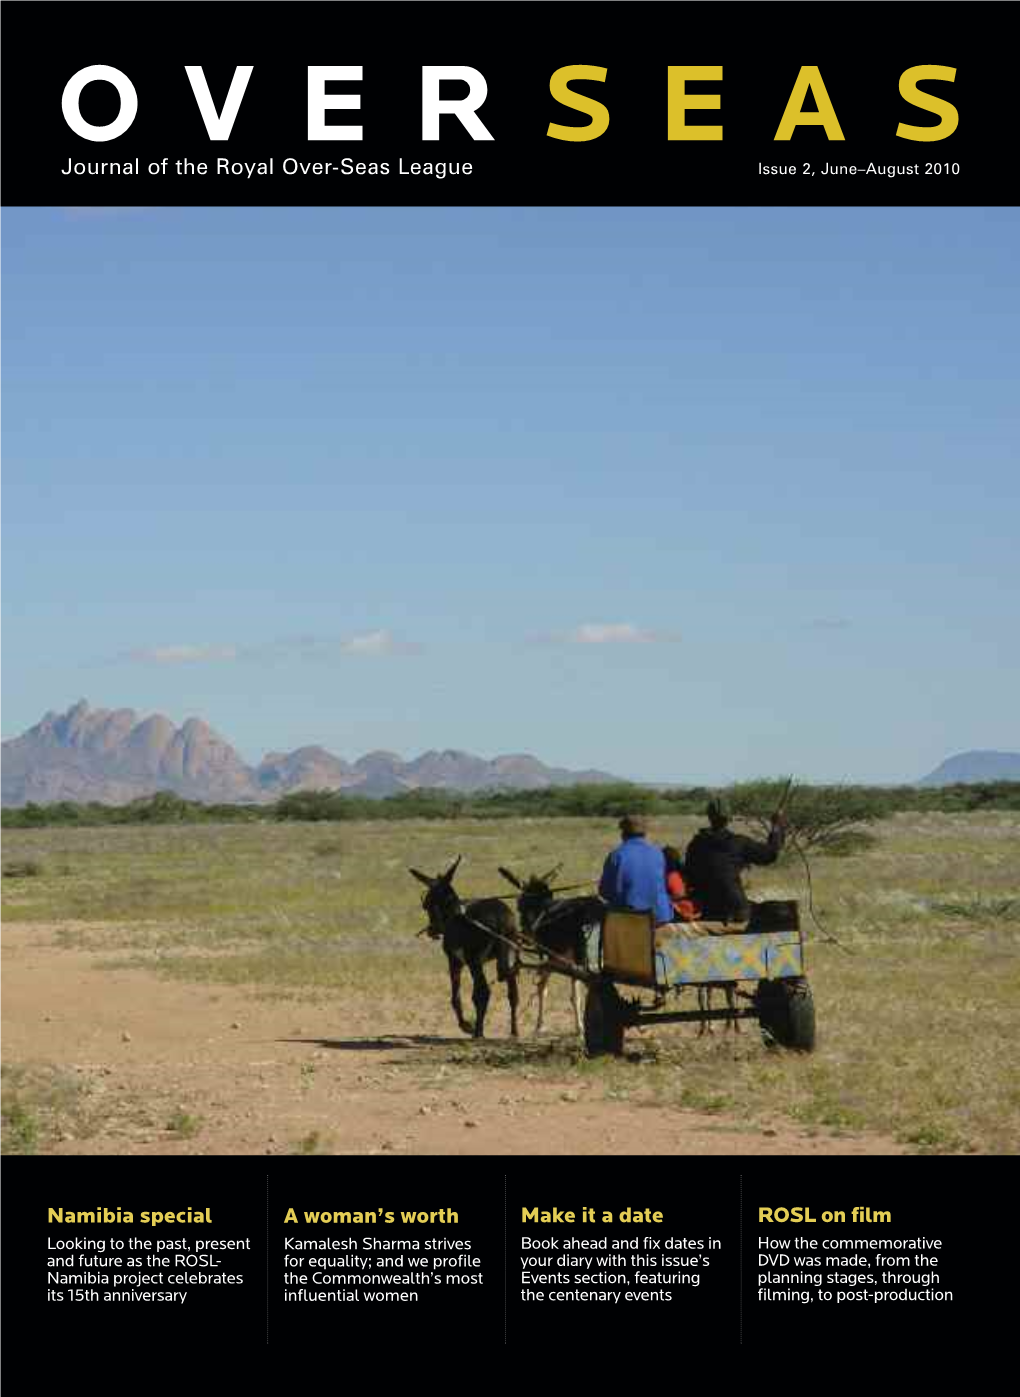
[(422, 877), (448, 875), (552, 874), (510, 877)]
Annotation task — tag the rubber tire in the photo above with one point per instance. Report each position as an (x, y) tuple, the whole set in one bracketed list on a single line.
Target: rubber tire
[(786, 1013), (603, 1021)]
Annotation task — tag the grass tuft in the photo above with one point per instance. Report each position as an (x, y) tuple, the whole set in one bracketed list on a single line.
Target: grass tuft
[(23, 868), (183, 1125), (43, 1104)]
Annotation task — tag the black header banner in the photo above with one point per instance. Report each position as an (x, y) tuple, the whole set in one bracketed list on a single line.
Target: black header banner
[(500, 104)]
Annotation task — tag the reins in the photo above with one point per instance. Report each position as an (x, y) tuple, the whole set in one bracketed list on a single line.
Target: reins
[(526, 943), (512, 897)]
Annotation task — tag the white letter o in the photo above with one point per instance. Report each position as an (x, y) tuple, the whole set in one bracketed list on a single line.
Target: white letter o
[(99, 72)]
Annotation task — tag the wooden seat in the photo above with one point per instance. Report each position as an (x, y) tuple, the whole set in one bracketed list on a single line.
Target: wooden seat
[(721, 928), (628, 946)]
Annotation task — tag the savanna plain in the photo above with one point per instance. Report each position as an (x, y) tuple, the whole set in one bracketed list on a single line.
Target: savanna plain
[(261, 989)]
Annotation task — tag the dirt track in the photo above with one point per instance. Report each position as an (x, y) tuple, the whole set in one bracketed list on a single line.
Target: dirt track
[(176, 1068)]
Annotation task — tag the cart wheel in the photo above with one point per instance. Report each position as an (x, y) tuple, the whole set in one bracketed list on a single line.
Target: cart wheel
[(603, 1020), (786, 1013)]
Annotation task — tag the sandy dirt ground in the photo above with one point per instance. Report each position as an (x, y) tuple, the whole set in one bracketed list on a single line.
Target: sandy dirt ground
[(167, 1067)]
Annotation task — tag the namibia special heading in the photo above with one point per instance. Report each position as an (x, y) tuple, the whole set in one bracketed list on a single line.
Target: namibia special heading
[(220, 123), (107, 1215)]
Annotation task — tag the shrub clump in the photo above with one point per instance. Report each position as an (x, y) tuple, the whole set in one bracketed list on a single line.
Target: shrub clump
[(824, 819), (23, 868)]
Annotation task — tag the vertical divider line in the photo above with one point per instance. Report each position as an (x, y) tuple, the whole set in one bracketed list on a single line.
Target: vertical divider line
[(267, 1259), (504, 1260), (740, 1258)]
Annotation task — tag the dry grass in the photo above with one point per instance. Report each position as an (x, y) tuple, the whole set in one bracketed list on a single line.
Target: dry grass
[(43, 1104), (917, 1008)]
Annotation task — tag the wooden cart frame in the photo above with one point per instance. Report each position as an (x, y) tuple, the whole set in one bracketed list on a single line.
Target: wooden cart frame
[(763, 961)]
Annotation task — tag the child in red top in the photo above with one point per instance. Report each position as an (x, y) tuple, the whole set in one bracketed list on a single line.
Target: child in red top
[(684, 910)]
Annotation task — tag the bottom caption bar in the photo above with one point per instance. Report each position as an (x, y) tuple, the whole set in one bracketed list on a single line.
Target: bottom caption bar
[(287, 1251)]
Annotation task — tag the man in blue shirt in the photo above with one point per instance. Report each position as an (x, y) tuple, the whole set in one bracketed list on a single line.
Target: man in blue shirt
[(635, 873)]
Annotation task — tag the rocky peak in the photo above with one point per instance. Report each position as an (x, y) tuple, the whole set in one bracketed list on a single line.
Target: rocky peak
[(108, 755)]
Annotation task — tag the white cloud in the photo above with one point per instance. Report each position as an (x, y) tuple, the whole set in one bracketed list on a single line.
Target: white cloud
[(610, 633), (307, 647), (375, 643), (183, 654), (372, 643)]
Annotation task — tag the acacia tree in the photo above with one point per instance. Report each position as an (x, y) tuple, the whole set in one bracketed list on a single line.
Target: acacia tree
[(828, 819)]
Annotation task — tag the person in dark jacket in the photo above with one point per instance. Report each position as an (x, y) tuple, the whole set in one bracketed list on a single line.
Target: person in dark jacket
[(634, 874), (715, 859)]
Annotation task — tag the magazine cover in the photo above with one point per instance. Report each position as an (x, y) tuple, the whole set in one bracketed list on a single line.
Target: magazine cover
[(511, 779)]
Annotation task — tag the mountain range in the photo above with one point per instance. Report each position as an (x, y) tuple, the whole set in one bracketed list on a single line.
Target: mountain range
[(113, 756), (967, 767)]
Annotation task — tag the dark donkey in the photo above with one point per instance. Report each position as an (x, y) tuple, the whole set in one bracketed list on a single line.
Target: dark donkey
[(471, 935), (558, 929)]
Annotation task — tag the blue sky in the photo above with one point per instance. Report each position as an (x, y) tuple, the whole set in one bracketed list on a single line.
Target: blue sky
[(686, 494)]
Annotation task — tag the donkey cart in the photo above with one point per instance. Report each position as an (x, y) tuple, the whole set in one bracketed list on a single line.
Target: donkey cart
[(760, 963)]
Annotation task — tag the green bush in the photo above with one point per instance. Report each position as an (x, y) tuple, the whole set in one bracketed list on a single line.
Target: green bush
[(822, 818), (23, 868)]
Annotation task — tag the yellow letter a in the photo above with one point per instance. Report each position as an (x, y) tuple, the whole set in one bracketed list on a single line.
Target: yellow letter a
[(809, 79)]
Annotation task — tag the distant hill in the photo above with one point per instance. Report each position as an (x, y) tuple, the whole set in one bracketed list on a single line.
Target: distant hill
[(307, 769), (975, 766), (113, 756)]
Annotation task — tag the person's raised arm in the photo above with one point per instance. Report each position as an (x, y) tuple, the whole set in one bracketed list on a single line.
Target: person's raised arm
[(756, 852)]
